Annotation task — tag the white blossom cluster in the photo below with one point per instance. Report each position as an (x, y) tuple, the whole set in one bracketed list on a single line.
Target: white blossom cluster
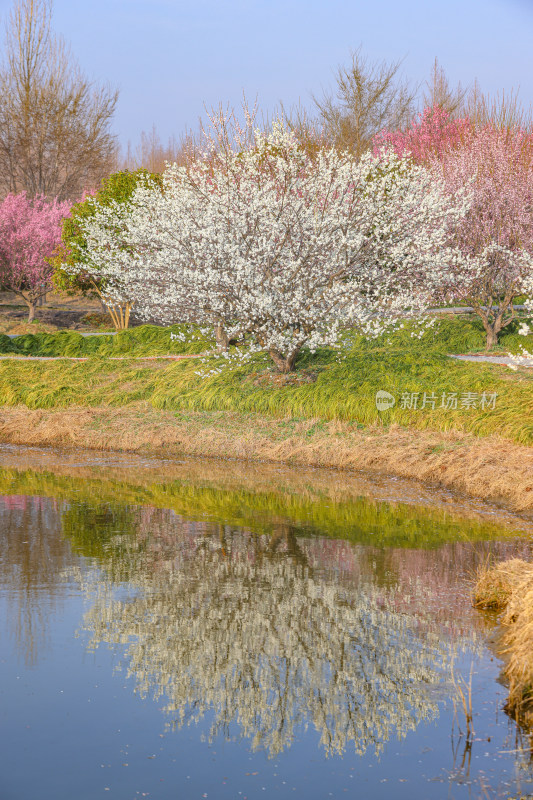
[(525, 356), (495, 271), (278, 246)]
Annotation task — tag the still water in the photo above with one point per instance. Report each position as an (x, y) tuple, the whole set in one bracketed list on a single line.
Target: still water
[(203, 630)]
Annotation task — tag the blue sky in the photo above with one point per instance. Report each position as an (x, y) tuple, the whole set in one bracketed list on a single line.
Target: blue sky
[(169, 57)]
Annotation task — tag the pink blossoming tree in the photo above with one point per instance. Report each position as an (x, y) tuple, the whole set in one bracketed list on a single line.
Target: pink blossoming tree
[(30, 232), (496, 235)]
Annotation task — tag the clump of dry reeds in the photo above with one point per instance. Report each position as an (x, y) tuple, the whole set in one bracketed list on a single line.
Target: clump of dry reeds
[(495, 584), (508, 587), (518, 644)]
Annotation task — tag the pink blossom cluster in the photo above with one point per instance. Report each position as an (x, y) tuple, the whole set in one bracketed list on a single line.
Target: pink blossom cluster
[(432, 133), (498, 162), (30, 232), (495, 237)]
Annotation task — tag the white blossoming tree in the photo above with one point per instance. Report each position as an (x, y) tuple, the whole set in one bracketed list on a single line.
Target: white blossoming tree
[(286, 247)]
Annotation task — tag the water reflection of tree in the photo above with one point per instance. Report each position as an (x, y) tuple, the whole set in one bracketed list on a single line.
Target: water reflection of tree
[(437, 584), (33, 556), (255, 630), (95, 530), (40, 540)]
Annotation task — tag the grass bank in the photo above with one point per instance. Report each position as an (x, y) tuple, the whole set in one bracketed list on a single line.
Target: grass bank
[(442, 428), (508, 588), (490, 468), (322, 389)]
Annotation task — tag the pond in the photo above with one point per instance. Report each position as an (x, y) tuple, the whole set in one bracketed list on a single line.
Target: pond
[(217, 630)]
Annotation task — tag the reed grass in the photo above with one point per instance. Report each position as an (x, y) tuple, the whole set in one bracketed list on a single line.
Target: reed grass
[(141, 341), (495, 584), (508, 587), (449, 335)]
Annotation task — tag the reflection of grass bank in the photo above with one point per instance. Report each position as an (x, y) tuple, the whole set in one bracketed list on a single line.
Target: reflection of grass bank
[(508, 587), (347, 510)]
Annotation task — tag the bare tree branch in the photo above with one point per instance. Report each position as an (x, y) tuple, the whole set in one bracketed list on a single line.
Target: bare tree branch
[(501, 109), (54, 123), (153, 154)]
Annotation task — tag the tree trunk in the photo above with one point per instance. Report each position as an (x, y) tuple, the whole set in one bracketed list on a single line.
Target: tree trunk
[(119, 316), (31, 310), (284, 363), (492, 326), (221, 338), (492, 336), (494, 322)]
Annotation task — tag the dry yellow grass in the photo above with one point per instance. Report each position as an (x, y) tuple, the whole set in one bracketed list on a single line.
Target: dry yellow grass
[(20, 328), (509, 587), (518, 646), (491, 468), (496, 584)]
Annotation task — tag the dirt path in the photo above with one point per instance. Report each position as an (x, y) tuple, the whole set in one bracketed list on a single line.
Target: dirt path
[(478, 359), (482, 359)]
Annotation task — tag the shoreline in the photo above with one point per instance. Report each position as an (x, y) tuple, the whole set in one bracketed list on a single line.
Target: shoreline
[(491, 469), (506, 588)]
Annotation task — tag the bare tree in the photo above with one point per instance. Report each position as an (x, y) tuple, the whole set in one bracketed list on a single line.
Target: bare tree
[(504, 110), (153, 154), (439, 93), (368, 97), (55, 134)]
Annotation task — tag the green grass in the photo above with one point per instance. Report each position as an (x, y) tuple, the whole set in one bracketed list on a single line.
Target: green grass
[(457, 335), (323, 388), (141, 341), (450, 335)]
